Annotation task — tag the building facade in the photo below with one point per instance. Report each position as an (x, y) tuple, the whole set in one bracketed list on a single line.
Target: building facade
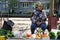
[(23, 6), (27, 5)]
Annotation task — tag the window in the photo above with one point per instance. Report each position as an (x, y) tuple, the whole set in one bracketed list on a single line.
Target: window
[(25, 5)]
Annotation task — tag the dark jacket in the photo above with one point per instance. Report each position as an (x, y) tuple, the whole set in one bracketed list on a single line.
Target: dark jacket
[(8, 25)]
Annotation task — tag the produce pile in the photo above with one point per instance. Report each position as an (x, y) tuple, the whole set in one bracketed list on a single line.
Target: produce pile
[(38, 35)]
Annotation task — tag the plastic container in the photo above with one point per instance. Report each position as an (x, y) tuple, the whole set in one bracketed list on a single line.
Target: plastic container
[(2, 38)]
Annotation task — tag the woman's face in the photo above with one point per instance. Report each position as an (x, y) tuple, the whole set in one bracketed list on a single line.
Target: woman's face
[(39, 7)]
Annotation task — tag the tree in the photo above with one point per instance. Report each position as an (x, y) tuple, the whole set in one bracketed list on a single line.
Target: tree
[(12, 5)]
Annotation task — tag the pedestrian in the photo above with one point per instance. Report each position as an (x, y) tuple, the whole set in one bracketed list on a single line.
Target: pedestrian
[(38, 18)]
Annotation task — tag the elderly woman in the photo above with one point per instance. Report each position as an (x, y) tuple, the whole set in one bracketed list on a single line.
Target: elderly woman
[(38, 18)]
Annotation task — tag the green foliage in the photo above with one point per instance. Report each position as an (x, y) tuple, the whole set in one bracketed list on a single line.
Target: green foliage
[(52, 35), (58, 35), (6, 33), (10, 34), (12, 3), (3, 32)]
